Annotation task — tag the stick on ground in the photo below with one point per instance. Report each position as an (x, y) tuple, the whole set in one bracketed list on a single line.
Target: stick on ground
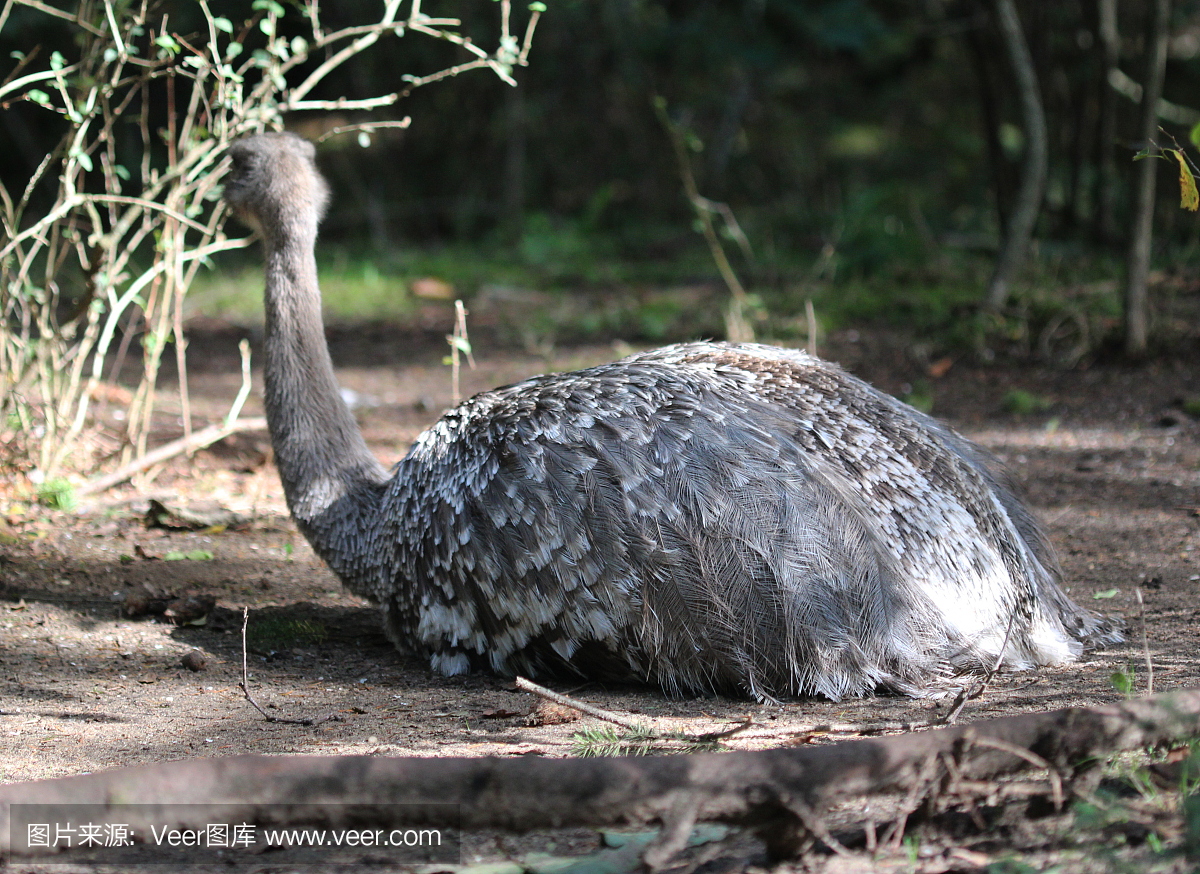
[(245, 684), (626, 721)]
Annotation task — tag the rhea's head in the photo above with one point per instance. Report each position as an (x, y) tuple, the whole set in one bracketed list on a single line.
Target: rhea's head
[(274, 185)]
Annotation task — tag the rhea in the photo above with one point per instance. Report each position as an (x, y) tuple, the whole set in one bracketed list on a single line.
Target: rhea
[(706, 517)]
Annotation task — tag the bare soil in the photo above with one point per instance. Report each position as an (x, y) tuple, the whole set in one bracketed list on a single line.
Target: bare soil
[(1111, 462)]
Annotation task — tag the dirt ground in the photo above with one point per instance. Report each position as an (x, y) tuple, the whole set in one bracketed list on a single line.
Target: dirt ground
[(1110, 461)]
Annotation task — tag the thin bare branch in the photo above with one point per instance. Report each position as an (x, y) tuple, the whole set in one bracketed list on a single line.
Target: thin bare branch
[(76, 19), (366, 126), (198, 440), (419, 81), (343, 103)]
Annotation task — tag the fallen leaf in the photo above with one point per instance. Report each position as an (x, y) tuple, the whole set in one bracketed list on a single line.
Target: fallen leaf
[(547, 713), (190, 610)]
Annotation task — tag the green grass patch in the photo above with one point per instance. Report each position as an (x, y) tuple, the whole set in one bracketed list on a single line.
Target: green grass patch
[(658, 284)]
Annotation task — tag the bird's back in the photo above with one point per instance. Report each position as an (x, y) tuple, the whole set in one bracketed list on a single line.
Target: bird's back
[(714, 517)]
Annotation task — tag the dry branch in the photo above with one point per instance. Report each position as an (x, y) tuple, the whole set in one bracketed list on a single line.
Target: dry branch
[(197, 440), (762, 789), (567, 701)]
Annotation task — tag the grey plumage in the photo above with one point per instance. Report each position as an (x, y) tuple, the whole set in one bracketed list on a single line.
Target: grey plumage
[(705, 516)]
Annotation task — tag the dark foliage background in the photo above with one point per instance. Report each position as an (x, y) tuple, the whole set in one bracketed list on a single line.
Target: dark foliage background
[(880, 132)]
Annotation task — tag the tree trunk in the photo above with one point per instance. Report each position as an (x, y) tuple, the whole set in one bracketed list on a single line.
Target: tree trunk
[(1110, 47), (1141, 236), (1033, 173)]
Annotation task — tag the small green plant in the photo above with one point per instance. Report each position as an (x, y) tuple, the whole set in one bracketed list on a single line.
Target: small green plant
[(57, 493), (912, 848), (640, 740), (1019, 402), (739, 316), (1123, 680), (460, 345), (605, 740)]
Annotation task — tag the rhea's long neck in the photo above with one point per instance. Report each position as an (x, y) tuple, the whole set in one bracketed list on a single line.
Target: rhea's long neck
[(332, 482)]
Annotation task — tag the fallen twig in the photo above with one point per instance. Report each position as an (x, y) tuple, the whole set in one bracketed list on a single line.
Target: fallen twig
[(1145, 643), (590, 710), (198, 440), (966, 695), (627, 722), (245, 685)]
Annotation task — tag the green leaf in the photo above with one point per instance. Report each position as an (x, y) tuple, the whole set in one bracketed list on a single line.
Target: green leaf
[(364, 139), (38, 96), (537, 7), (223, 24), (57, 493), (1194, 135), (1106, 595), (167, 47), (57, 61), (270, 6)]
